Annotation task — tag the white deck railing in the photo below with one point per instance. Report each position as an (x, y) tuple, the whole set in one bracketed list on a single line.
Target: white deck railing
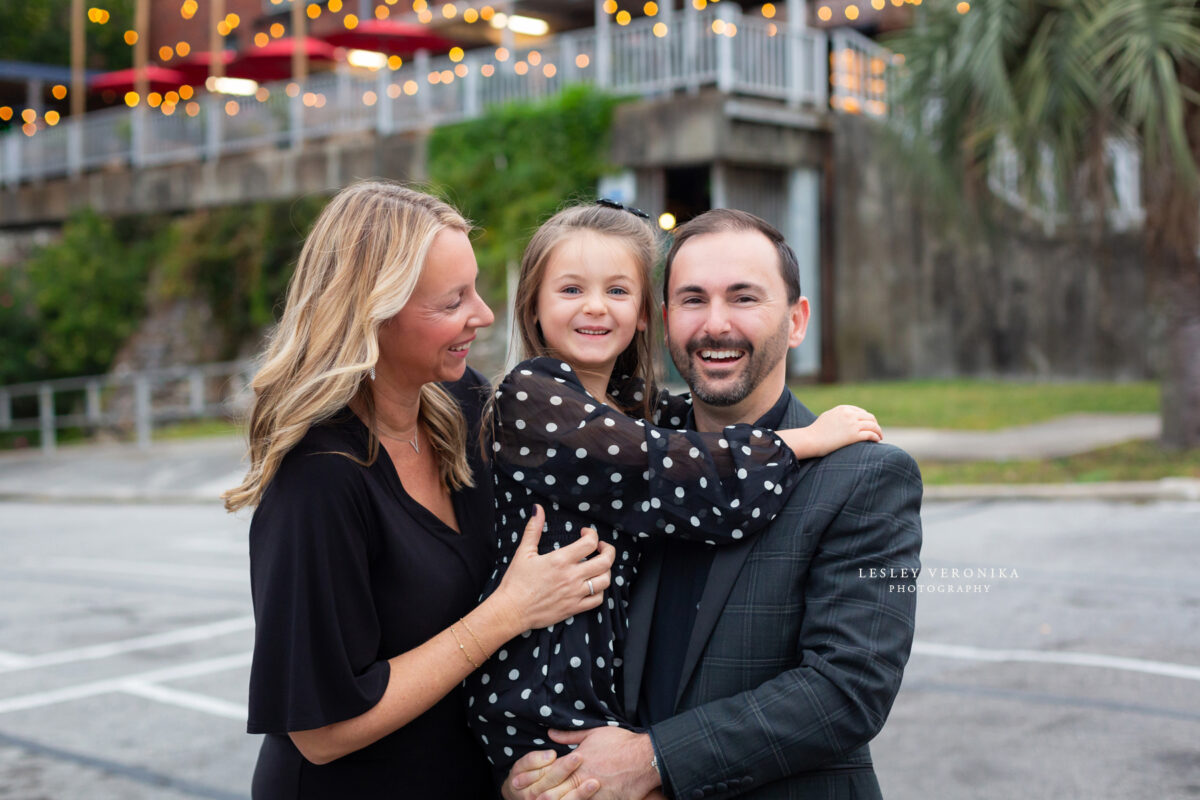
[(759, 58)]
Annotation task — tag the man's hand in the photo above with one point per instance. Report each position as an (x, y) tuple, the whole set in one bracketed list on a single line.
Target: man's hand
[(619, 759), (538, 775)]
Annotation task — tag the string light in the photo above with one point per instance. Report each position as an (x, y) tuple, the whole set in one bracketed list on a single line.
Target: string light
[(393, 90), (369, 98), (470, 16), (261, 39), (277, 28), (395, 62), (502, 54), (59, 91), (456, 54), (166, 53), (650, 9), (660, 29), (487, 70), (411, 87), (623, 17), (263, 94), (963, 7), (549, 70), (520, 68), (131, 99), (6, 113), (851, 12), (486, 13), (582, 60), (292, 89), (449, 11), (461, 70), (185, 92), (131, 38), (610, 6), (154, 99), (824, 13), (382, 12), (183, 48), (768, 10), (350, 21), (533, 57), (192, 108), (29, 115), (335, 5), (52, 117), (313, 11)]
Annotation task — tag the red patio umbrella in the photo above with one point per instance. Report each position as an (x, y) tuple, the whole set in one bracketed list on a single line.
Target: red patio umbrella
[(273, 61), (125, 80), (195, 68), (389, 36)]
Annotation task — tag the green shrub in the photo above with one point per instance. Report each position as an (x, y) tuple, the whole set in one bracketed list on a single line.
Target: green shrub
[(88, 295), (517, 164)]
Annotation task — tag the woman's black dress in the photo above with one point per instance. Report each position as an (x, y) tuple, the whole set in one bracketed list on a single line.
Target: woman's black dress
[(347, 571), (587, 463)]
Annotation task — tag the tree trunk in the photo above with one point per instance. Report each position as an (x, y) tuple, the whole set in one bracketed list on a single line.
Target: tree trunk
[(1181, 383)]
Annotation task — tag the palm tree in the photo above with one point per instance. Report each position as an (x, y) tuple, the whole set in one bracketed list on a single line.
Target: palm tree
[(1049, 82)]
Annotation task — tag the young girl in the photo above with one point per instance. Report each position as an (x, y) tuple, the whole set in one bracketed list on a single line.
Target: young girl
[(576, 431)]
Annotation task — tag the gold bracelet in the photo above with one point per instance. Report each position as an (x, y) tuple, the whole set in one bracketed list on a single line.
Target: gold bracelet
[(467, 655), (466, 625)]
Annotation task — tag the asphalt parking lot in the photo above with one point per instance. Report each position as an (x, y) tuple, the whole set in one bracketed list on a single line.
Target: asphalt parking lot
[(1066, 664)]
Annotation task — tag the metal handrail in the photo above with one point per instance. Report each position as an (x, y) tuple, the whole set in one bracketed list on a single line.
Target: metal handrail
[(151, 396)]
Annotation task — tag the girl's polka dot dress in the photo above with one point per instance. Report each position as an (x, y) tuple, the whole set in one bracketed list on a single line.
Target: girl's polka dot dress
[(588, 464)]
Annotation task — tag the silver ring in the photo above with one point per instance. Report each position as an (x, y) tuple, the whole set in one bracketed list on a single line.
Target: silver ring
[(591, 589)]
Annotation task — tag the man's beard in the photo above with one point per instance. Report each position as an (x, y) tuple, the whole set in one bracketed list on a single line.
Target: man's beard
[(758, 364)]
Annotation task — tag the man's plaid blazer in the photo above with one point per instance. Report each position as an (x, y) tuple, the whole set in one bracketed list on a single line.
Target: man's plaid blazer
[(798, 647)]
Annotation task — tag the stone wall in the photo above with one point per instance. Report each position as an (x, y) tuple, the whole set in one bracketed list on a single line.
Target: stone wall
[(917, 296)]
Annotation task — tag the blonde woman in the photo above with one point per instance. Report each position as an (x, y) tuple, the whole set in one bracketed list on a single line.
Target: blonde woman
[(371, 537)]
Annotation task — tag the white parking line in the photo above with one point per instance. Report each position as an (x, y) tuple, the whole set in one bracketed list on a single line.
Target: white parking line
[(10, 662), (189, 700), (969, 653), (83, 690)]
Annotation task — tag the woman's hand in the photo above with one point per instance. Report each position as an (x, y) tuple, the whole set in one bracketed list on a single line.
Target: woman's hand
[(539, 775), (836, 428), (541, 590)]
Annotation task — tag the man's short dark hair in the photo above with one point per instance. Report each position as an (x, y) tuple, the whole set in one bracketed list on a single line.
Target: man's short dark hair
[(720, 220)]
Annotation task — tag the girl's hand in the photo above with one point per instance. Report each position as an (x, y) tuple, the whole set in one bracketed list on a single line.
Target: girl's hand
[(836, 428), (541, 590)]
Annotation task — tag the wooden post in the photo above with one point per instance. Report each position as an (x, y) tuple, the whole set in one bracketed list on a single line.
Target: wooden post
[(141, 25), (78, 55), (299, 34)]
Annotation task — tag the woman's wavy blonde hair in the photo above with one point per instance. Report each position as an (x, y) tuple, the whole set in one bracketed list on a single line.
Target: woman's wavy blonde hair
[(357, 269)]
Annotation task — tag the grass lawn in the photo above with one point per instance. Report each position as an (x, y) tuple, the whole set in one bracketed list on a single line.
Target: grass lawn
[(1132, 461), (196, 429), (980, 405)]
